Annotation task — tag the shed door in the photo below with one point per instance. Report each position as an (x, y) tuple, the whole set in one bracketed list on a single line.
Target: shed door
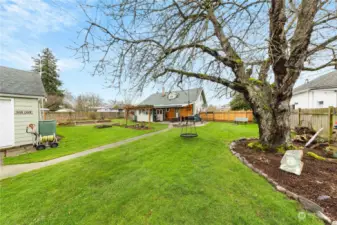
[(6, 122)]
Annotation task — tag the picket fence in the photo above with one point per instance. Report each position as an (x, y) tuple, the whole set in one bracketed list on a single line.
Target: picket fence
[(77, 116), (226, 116)]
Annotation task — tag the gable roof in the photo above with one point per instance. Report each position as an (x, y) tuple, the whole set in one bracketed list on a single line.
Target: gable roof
[(183, 98), (326, 81), (20, 82)]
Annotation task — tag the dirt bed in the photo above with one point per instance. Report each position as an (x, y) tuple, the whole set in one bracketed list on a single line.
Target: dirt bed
[(318, 177)]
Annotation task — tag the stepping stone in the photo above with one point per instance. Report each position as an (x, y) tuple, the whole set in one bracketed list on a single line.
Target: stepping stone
[(323, 197), (291, 162)]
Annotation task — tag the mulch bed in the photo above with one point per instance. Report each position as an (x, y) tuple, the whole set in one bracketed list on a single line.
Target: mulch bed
[(135, 127), (317, 178)]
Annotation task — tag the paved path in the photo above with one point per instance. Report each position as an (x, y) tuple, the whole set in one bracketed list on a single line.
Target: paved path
[(13, 170)]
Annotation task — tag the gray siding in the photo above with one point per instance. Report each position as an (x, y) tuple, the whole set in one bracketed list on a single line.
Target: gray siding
[(21, 120)]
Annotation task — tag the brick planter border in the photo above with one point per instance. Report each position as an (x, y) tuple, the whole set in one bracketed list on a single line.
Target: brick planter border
[(306, 203)]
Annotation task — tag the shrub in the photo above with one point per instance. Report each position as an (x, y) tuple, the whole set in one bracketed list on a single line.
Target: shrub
[(93, 116), (256, 146)]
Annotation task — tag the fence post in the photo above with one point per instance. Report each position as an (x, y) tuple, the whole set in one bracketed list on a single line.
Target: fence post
[(213, 117), (330, 116), (299, 117)]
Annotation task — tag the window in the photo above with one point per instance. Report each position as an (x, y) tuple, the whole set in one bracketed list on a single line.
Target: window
[(320, 104), (159, 111), (167, 110)]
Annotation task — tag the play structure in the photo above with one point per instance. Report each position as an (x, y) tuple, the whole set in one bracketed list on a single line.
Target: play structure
[(44, 136), (188, 129)]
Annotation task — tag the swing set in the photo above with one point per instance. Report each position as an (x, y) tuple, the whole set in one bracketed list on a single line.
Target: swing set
[(188, 128)]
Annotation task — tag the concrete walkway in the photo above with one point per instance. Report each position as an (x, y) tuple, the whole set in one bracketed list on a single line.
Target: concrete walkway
[(13, 170)]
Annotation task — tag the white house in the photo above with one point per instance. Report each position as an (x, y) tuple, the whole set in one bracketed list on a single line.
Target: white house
[(318, 93), (172, 105), (117, 107), (21, 95)]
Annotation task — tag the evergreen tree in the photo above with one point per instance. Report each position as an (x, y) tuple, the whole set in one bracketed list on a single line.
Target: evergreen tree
[(50, 76), (239, 103)]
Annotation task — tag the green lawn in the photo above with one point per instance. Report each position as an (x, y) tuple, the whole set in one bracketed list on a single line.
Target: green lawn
[(80, 138), (162, 179)]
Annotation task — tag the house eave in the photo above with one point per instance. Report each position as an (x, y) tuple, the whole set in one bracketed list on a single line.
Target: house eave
[(314, 89), (21, 96), (172, 105)]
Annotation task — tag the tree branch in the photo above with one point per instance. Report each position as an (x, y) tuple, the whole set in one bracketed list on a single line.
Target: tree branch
[(226, 61), (231, 84), (321, 46), (92, 24), (238, 68), (277, 40), (333, 62)]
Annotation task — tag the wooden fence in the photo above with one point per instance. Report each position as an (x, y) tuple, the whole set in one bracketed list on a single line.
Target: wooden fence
[(315, 118), (226, 116), (77, 116)]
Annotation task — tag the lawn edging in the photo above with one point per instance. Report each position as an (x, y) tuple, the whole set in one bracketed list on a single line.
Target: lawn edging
[(306, 203)]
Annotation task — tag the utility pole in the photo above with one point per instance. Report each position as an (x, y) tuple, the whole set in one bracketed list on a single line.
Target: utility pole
[(40, 65)]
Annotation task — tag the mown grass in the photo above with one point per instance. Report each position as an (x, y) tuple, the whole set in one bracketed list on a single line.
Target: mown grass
[(162, 179), (80, 138)]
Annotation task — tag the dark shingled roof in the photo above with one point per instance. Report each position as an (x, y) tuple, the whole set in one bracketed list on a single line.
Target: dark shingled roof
[(182, 98), (326, 81), (20, 82)]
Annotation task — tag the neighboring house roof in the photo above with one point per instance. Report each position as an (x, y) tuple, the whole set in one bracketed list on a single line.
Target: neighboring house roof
[(65, 110), (116, 106), (19, 82), (323, 82), (182, 98)]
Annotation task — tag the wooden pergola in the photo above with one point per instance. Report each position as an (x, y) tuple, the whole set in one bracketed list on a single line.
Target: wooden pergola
[(137, 107)]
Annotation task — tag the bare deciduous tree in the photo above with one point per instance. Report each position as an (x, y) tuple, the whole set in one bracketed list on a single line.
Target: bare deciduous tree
[(54, 102), (258, 48), (87, 102)]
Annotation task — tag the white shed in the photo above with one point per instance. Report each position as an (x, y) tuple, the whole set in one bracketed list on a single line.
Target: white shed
[(21, 96)]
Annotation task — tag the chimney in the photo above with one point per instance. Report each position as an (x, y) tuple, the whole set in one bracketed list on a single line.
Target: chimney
[(163, 92)]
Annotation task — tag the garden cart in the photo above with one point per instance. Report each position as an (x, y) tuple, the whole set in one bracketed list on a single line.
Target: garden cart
[(45, 135)]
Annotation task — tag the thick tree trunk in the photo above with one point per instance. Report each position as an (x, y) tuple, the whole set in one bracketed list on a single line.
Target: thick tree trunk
[(274, 126), (273, 118)]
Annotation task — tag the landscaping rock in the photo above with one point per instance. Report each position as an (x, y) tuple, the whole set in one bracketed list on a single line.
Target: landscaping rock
[(249, 165), (323, 217), (242, 139), (309, 205), (280, 189), (291, 162), (103, 126), (323, 197), (292, 195), (264, 174), (232, 145)]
